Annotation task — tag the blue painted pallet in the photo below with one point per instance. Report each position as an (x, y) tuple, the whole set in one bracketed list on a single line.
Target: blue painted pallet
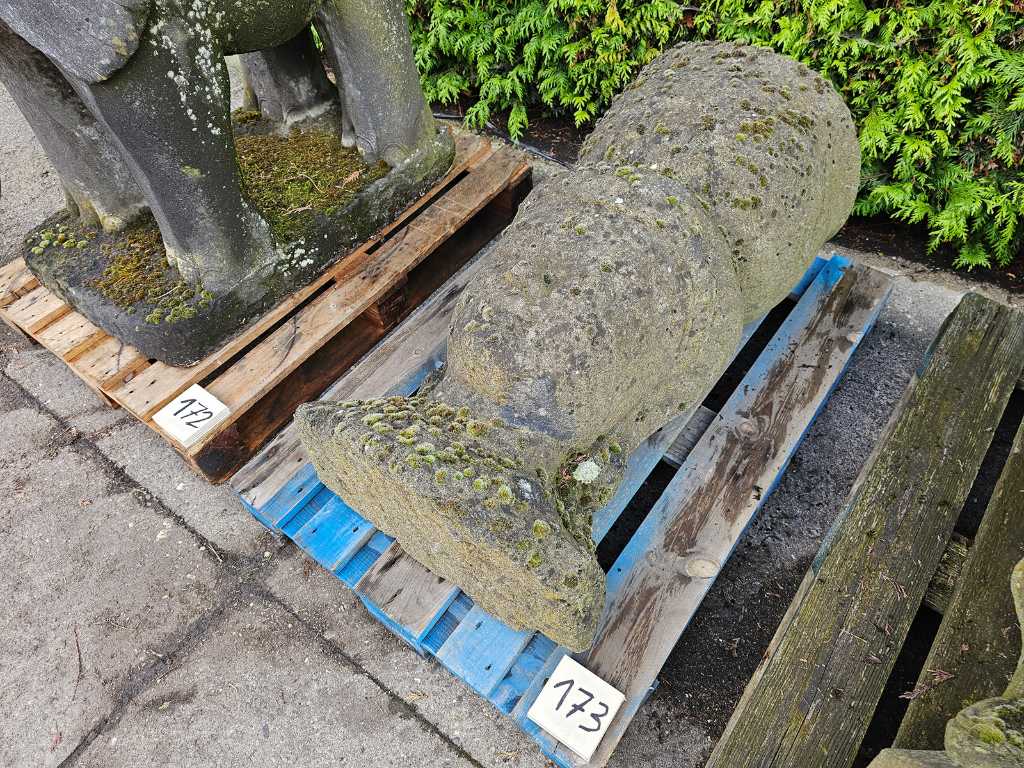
[(508, 667)]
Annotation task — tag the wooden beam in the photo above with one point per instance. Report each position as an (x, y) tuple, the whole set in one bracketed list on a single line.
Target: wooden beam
[(812, 698), (978, 642)]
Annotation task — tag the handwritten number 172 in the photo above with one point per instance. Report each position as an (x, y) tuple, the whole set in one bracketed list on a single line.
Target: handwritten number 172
[(573, 709), (196, 417)]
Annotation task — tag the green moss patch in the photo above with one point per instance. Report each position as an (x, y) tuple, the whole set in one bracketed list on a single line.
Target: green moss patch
[(137, 273), (292, 178)]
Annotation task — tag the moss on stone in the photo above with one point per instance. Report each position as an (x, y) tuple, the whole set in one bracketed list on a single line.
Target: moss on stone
[(137, 273), (292, 178)]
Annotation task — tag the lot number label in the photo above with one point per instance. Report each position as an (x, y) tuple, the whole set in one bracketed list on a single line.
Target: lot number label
[(191, 415), (576, 707)]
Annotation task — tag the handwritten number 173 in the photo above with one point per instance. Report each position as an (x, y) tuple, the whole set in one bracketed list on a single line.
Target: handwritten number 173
[(574, 708)]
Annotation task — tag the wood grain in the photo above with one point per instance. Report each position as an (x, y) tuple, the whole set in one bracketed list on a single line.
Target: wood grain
[(810, 701), (406, 591), (978, 642)]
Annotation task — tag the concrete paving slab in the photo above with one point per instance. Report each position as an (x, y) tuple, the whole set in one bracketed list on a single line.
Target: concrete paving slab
[(93, 585), (335, 612), (52, 383), (213, 511), (258, 690)]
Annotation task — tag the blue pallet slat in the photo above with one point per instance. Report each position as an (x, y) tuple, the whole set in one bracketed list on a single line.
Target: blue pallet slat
[(364, 558), (334, 535), (507, 667), (481, 650), (446, 624)]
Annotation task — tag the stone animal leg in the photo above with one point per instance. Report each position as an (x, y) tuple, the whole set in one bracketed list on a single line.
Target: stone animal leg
[(348, 130), (168, 108), (382, 95), (239, 76), (98, 185), (289, 81)]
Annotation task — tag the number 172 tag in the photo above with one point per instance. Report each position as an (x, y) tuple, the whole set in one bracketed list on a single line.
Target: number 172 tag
[(191, 415), (576, 707)]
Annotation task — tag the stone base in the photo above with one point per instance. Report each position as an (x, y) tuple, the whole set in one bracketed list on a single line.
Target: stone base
[(184, 326), (453, 495)]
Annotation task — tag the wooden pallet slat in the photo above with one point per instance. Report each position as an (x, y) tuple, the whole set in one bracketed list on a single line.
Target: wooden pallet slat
[(15, 281), (70, 336), (810, 701), (37, 309), (978, 642), (407, 594)]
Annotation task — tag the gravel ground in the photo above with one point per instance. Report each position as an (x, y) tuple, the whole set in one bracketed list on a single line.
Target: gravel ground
[(151, 620)]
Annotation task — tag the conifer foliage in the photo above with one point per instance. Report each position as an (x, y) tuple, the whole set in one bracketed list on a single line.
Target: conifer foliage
[(936, 86)]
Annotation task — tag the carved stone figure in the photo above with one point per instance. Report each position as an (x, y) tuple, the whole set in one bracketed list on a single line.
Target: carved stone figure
[(151, 81), (987, 734), (609, 307)]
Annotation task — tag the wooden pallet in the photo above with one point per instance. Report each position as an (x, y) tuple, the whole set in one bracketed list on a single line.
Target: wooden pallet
[(297, 349), (817, 692), (730, 460)]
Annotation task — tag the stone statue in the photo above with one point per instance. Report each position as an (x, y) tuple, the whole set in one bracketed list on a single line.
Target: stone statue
[(130, 101), (988, 734), (608, 308)]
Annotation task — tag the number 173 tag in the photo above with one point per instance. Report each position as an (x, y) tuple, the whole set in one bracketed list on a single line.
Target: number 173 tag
[(576, 707)]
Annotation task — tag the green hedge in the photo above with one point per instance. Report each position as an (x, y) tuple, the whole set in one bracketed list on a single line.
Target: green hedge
[(936, 88)]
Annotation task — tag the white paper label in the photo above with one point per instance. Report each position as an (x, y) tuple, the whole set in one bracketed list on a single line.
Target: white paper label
[(576, 707), (191, 415)]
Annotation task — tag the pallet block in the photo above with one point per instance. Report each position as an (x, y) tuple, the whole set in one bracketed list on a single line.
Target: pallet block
[(730, 462), (292, 353)]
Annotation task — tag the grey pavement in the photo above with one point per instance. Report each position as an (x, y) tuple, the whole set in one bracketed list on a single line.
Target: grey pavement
[(149, 620)]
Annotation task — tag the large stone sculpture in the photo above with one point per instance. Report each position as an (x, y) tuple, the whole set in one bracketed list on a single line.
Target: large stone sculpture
[(987, 734), (608, 308), (148, 83)]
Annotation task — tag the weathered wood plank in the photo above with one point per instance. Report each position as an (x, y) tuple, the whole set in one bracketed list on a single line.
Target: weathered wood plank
[(145, 394), (109, 362), (70, 336), (810, 701), (947, 575), (978, 642), (15, 281), (410, 595), (36, 310), (695, 428)]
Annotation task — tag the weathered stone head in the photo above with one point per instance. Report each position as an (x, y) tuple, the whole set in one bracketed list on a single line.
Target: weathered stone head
[(130, 99), (988, 734), (610, 306)]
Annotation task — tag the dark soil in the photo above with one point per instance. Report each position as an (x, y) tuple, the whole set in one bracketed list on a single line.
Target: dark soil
[(558, 139)]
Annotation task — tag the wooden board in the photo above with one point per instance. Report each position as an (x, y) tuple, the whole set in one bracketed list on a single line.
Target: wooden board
[(810, 701), (300, 347), (409, 594), (978, 643)]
